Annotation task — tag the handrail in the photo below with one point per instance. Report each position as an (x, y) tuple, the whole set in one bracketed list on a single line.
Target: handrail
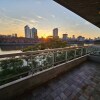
[(40, 51), (52, 57)]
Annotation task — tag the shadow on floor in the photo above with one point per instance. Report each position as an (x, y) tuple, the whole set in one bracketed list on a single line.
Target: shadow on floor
[(82, 83)]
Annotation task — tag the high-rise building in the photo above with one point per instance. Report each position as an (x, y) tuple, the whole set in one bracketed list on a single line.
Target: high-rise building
[(34, 33), (73, 37), (65, 37), (27, 31), (30, 33), (55, 33)]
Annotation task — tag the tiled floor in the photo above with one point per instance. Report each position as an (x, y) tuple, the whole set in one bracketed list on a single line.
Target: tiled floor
[(82, 83)]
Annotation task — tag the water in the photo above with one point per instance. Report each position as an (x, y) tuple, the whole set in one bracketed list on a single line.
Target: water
[(9, 52), (13, 49)]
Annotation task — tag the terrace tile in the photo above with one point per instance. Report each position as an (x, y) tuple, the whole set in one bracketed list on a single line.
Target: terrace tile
[(81, 83)]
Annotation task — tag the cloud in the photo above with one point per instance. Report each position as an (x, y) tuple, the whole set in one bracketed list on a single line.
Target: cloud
[(39, 17), (77, 24), (24, 17), (3, 9), (30, 20), (38, 2), (8, 21), (33, 21), (64, 12), (53, 16), (87, 23), (13, 19)]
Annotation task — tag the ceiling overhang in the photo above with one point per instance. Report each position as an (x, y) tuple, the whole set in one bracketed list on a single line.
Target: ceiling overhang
[(87, 9)]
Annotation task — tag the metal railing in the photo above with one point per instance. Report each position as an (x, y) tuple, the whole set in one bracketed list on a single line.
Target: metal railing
[(16, 66), (96, 51)]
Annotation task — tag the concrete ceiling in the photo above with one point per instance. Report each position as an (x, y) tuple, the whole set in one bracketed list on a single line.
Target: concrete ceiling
[(88, 9)]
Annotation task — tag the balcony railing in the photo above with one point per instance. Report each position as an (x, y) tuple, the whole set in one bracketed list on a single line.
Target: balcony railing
[(16, 66)]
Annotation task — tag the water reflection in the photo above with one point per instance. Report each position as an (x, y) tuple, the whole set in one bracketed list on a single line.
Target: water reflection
[(17, 49), (9, 51)]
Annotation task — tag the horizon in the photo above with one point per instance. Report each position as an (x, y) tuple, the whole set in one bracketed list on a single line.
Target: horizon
[(44, 15)]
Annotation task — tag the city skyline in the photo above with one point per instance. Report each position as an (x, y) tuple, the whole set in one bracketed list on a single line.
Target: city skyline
[(30, 32), (45, 15)]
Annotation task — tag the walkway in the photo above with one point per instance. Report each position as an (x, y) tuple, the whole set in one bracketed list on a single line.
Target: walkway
[(82, 83)]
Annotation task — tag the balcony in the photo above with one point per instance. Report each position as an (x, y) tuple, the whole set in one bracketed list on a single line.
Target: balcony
[(30, 70), (81, 83)]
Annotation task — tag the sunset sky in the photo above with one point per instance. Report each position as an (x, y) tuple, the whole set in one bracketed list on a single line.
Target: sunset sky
[(43, 15)]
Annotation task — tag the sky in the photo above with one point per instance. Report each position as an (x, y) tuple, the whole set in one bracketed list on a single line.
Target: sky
[(43, 15)]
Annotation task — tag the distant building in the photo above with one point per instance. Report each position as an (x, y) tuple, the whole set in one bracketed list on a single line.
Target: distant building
[(27, 31), (50, 37), (55, 33), (14, 35), (73, 37), (8, 36), (65, 37), (98, 38), (30, 33), (34, 33), (80, 38)]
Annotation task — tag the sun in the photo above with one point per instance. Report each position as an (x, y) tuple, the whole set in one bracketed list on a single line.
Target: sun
[(44, 36)]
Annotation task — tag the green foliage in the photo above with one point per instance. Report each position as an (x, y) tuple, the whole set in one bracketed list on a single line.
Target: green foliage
[(51, 44), (11, 64), (12, 67), (78, 52), (31, 48), (70, 54), (34, 64), (60, 56), (84, 51)]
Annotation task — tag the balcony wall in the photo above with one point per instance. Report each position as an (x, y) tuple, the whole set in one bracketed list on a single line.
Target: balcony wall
[(20, 86), (94, 58)]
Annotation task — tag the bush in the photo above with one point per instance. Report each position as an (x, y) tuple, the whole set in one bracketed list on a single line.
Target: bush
[(12, 67)]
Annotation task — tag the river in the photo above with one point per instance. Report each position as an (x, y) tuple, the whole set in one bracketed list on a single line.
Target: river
[(9, 52), (16, 49)]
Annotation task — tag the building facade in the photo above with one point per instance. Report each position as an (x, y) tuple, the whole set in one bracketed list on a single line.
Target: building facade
[(80, 38), (34, 33), (27, 31), (65, 37), (30, 33), (55, 33)]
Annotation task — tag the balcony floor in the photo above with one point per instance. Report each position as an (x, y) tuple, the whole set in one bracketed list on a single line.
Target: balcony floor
[(82, 83)]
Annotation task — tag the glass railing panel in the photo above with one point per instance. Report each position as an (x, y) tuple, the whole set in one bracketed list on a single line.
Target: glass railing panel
[(41, 62), (70, 54), (84, 51), (78, 52), (12, 69), (59, 57)]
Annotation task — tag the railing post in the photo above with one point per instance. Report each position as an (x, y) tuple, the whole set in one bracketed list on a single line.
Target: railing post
[(53, 58), (66, 55), (81, 51), (75, 54), (32, 65), (86, 50), (91, 49)]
